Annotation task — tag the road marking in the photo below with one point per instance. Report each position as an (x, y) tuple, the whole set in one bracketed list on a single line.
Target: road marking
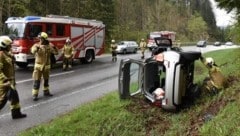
[(27, 80), (53, 75), (57, 98)]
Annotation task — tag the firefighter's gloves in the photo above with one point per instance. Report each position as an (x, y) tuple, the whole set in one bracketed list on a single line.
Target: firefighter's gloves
[(158, 94)]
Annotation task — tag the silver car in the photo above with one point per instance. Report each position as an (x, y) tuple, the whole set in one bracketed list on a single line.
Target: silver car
[(127, 47), (174, 76)]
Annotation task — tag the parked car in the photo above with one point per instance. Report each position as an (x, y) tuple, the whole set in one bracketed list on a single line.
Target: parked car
[(201, 43), (127, 47), (229, 43), (217, 43)]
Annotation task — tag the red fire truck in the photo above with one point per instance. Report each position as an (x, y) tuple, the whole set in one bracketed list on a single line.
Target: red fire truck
[(167, 34), (88, 36)]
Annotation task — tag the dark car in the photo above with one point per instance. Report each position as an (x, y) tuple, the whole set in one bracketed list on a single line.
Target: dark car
[(201, 44), (217, 43)]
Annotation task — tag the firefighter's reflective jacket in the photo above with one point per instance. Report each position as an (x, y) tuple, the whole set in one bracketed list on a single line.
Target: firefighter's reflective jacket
[(42, 55)]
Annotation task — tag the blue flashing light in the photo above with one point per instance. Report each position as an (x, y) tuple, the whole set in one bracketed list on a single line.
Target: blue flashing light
[(32, 18)]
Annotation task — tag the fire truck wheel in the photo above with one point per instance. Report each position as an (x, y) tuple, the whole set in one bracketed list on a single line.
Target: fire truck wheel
[(22, 64), (88, 57)]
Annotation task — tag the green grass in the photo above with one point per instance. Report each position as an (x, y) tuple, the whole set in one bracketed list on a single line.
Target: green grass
[(108, 116)]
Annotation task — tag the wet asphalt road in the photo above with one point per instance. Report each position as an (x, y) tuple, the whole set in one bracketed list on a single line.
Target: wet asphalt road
[(71, 89)]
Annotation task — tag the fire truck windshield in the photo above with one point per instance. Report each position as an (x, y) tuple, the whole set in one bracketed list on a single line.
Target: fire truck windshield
[(14, 29)]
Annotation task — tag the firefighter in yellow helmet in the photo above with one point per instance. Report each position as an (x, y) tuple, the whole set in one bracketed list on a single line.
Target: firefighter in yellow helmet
[(7, 79), (114, 52), (216, 80), (67, 54), (42, 51), (143, 46)]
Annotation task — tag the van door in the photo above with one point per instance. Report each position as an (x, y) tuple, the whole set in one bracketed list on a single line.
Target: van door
[(130, 78)]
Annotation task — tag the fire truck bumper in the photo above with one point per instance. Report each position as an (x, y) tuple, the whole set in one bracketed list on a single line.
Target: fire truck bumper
[(23, 57)]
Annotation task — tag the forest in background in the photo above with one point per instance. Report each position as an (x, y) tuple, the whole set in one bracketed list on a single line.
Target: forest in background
[(192, 20)]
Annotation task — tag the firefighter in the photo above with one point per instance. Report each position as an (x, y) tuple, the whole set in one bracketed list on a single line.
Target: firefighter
[(216, 80), (42, 51), (7, 79), (143, 46), (114, 52), (67, 55)]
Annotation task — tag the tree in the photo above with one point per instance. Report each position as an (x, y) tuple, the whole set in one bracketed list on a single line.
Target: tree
[(10, 8), (229, 5), (197, 28), (44, 7)]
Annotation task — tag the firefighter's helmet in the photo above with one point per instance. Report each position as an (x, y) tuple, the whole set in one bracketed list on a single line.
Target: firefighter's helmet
[(68, 40), (43, 35), (113, 41), (5, 41), (209, 61)]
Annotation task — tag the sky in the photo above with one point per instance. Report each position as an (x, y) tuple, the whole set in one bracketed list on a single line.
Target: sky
[(222, 18)]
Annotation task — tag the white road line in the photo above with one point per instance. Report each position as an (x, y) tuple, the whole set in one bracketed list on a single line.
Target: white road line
[(63, 73), (58, 98), (27, 80)]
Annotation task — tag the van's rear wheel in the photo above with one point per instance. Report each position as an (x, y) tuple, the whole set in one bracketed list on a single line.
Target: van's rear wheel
[(22, 64)]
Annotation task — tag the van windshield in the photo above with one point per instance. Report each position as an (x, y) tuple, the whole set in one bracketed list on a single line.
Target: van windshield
[(14, 29)]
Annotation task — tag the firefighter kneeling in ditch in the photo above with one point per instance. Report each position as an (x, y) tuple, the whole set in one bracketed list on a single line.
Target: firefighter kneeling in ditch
[(216, 80)]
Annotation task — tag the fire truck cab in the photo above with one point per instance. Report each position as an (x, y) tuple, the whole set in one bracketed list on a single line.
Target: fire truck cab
[(87, 36)]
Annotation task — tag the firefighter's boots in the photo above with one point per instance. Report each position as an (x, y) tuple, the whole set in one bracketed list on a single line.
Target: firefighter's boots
[(16, 114)]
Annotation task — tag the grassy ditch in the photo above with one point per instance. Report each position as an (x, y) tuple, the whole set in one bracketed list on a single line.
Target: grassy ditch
[(216, 115)]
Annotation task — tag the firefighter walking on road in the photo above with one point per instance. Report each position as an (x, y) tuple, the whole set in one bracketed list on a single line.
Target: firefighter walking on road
[(143, 46), (67, 55), (114, 52), (7, 79), (42, 51)]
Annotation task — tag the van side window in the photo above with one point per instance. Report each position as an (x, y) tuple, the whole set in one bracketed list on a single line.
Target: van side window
[(35, 30), (60, 30), (49, 29)]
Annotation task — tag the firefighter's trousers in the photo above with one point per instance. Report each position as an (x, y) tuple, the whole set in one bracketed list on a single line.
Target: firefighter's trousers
[(11, 95), (38, 73), (210, 86), (114, 55), (143, 53), (67, 63)]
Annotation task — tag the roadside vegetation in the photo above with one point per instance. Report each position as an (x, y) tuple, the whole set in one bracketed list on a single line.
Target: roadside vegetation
[(192, 20), (216, 115)]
